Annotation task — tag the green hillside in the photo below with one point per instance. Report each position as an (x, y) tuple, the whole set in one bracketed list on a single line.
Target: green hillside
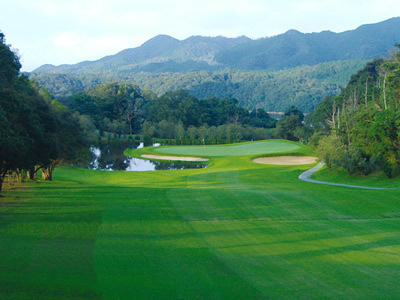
[(303, 86)]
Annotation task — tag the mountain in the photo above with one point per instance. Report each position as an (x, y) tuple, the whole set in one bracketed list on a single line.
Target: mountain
[(161, 51), (293, 48), (273, 73)]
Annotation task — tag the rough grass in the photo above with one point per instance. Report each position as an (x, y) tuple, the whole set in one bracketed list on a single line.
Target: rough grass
[(234, 230), (377, 179)]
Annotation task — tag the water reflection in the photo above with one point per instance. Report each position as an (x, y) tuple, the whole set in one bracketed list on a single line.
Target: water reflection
[(111, 158)]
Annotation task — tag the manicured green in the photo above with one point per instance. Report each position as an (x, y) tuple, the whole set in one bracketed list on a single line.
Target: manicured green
[(243, 149), (234, 230)]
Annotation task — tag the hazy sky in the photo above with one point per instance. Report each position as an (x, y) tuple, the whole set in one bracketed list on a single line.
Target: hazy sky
[(70, 31)]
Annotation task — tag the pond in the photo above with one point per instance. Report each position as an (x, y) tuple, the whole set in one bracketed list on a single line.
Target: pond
[(110, 157)]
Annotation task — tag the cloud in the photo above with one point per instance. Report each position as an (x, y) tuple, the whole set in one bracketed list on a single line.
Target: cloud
[(66, 40)]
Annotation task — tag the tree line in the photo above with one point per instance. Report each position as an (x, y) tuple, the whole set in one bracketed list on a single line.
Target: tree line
[(126, 109), (36, 132), (303, 86), (359, 130)]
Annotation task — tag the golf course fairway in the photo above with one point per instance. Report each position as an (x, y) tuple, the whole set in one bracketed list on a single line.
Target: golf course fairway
[(234, 230)]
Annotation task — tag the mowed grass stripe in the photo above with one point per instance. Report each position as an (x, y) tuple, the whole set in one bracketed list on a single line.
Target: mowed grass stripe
[(154, 253), (234, 230), (298, 243)]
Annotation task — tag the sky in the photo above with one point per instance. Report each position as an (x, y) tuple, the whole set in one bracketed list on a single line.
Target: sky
[(70, 31)]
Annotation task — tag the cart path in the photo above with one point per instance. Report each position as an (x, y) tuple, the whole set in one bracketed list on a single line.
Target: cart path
[(305, 176)]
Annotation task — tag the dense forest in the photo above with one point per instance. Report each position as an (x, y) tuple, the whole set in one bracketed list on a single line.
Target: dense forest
[(303, 86), (36, 132), (125, 109), (359, 130)]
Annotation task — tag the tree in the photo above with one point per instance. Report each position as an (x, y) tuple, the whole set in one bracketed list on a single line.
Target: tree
[(291, 122), (9, 64), (71, 142), (11, 145), (166, 129), (260, 119), (114, 101), (148, 130), (192, 132), (29, 139), (366, 133), (20, 121), (176, 106), (179, 131)]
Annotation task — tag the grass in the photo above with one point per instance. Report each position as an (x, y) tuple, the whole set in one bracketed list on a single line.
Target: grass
[(234, 230), (242, 149), (377, 179)]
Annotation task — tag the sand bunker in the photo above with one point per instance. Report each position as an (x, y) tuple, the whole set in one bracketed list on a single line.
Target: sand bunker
[(168, 157), (286, 160)]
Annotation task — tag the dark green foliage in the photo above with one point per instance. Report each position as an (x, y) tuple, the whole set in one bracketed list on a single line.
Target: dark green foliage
[(259, 118), (364, 121), (319, 118), (84, 104), (354, 160), (291, 127), (9, 63), (174, 115), (33, 131), (294, 111), (303, 86), (176, 106), (19, 115), (113, 107)]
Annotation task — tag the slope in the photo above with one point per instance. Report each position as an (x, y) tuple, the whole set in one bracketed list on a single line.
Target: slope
[(294, 48)]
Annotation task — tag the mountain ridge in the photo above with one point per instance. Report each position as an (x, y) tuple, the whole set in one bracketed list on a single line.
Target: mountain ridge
[(273, 73), (159, 49), (294, 48), (164, 53)]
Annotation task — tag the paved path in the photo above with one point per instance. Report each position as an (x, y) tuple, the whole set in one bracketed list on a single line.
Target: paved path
[(305, 176)]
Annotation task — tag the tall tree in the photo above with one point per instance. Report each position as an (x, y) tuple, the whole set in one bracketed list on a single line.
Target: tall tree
[(366, 128), (32, 132), (288, 127)]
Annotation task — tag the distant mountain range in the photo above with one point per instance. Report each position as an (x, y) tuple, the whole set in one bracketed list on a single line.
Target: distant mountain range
[(161, 53), (293, 48), (271, 73)]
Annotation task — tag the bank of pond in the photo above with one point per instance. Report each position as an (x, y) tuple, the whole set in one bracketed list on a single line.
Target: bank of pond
[(111, 157)]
